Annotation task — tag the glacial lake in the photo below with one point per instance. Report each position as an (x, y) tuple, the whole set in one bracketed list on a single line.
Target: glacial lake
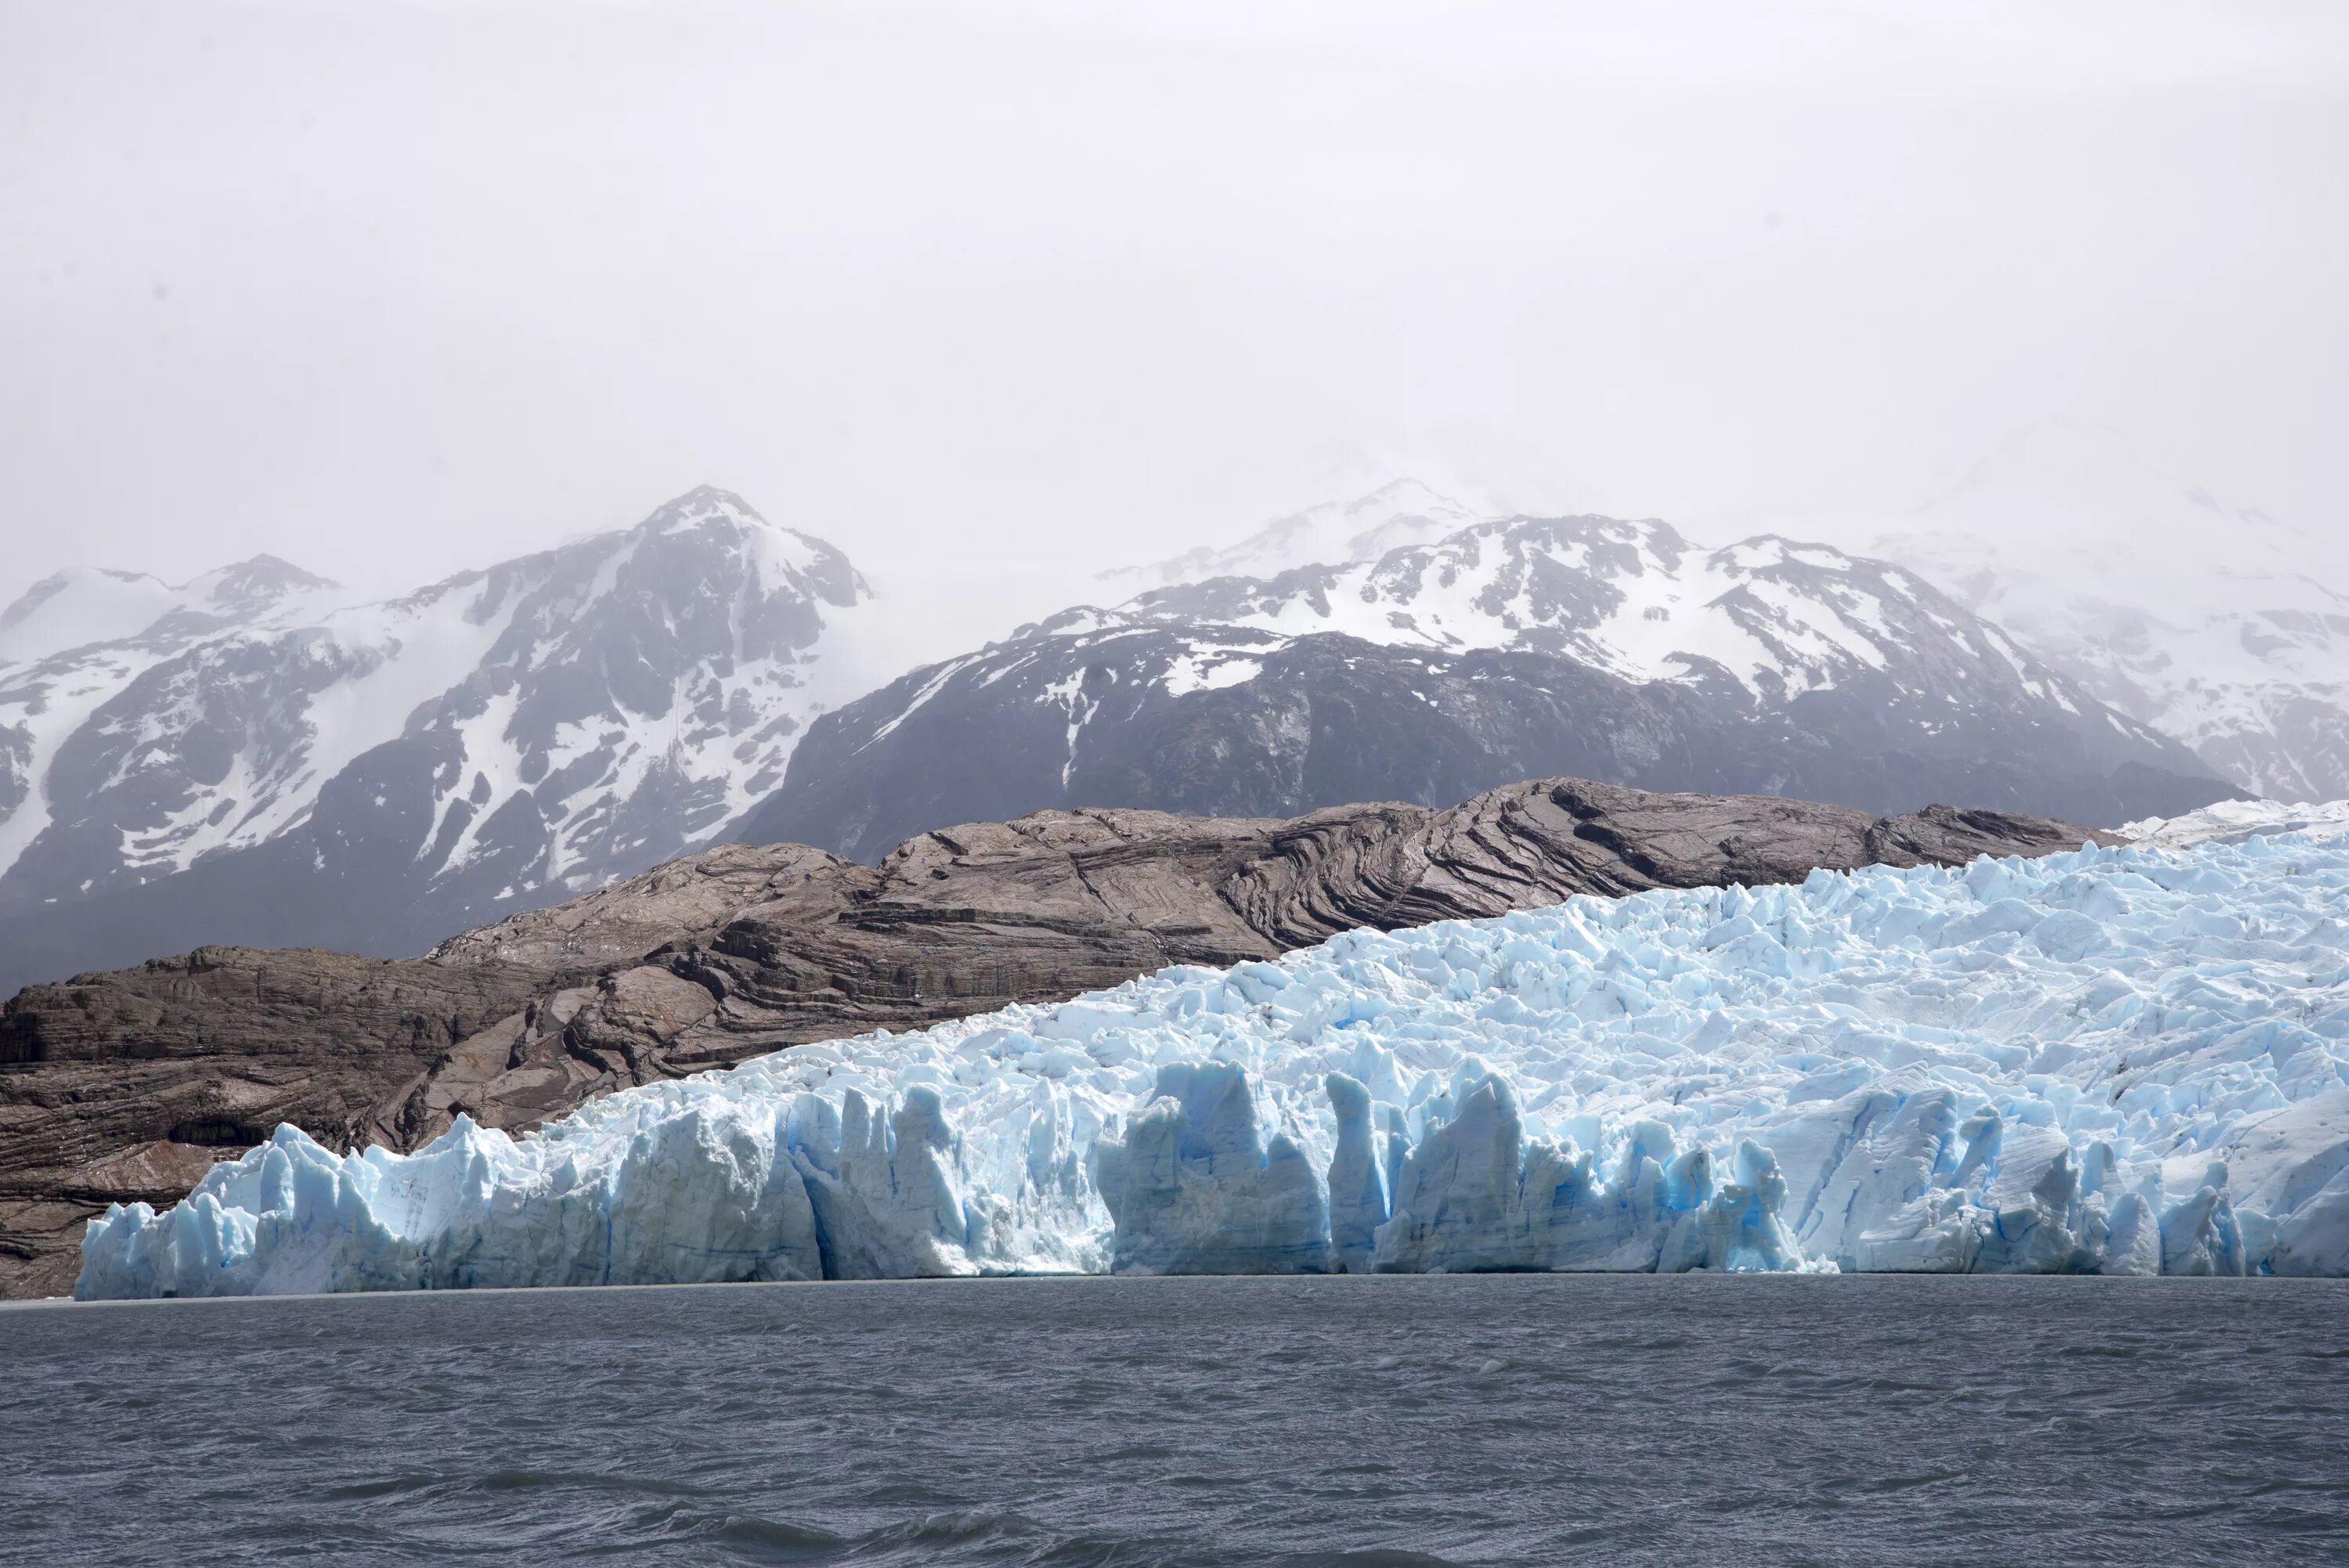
[(1370, 1421)]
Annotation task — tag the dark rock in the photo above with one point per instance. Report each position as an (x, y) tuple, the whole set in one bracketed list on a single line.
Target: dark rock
[(1066, 719)]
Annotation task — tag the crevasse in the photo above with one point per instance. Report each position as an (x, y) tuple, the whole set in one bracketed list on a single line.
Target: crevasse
[(2121, 1060)]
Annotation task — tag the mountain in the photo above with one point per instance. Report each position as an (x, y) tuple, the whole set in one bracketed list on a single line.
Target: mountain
[(91, 607), (1398, 513), (1607, 649), (2219, 625), (75, 641), (246, 758), (126, 1087)]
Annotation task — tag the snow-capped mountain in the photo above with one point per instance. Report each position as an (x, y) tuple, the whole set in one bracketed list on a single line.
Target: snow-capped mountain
[(1777, 617), (74, 642), (2220, 625), (1508, 648), (247, 759), (88, 606)]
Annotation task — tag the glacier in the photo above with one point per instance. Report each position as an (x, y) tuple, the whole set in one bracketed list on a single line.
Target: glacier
[(2127, 1059), (2231, 822)]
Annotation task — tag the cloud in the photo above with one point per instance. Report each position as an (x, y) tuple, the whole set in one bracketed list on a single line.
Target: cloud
[(995, 295)]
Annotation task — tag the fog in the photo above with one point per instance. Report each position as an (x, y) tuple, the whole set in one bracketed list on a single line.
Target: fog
[(995, 296)]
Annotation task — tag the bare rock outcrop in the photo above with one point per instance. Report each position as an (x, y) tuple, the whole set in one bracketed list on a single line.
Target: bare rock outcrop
[(127, 1084)]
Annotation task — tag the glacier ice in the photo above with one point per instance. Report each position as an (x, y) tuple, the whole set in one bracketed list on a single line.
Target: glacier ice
[(2234, 821), (2128, 1059)]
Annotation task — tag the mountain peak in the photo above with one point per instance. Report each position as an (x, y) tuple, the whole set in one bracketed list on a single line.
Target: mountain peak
[(256, 582), (1400, 511), (81, 606), (702, 504), (709, 516), (496, 738)]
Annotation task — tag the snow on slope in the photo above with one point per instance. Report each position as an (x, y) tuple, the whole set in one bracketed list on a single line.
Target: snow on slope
[(614, 698), (75, 642), (85, 606), (2126, 1060), (2220, 625), (1634, 598), (648, 689), (1507, 649)]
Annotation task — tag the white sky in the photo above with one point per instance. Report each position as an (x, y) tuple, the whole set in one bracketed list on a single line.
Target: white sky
[(994, 295)]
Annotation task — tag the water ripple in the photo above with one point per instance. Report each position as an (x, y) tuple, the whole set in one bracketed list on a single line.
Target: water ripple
[(1429, 1422)]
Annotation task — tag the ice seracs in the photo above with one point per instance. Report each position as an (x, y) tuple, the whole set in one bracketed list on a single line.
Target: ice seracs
[(2118, 1061)]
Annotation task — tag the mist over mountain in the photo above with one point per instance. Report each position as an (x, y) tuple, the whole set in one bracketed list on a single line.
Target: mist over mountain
[(2216, 623), (1393, 514)]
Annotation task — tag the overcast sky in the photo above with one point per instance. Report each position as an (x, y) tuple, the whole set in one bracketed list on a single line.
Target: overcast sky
[(986, 295)]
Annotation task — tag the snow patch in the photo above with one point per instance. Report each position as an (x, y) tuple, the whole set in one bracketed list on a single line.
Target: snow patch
[(1208, 670)]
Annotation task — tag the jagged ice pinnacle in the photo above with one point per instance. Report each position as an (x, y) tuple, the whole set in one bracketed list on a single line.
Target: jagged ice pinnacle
[(2123, 1060)]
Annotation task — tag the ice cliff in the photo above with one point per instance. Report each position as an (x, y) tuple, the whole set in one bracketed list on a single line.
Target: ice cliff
[(2121, 1060)]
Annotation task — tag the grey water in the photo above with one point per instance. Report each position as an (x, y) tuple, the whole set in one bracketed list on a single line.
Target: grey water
[(1378, 1421)]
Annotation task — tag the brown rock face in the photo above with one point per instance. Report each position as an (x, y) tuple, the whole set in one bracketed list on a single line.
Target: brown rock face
[(126, 1085)]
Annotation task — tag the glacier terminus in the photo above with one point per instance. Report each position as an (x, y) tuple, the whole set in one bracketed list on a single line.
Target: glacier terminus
[(2126, 1059)]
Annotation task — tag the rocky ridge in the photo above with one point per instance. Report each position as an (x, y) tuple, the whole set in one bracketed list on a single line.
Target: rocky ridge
[(128, 1085)]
